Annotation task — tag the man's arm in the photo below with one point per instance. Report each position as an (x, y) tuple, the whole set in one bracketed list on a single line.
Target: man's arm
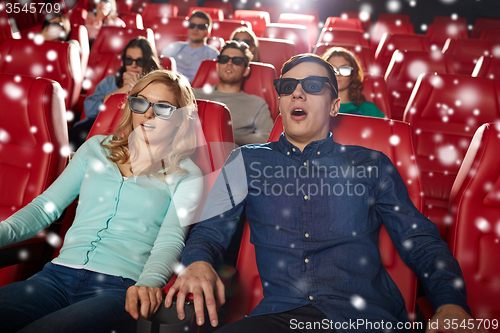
[(263, 124)]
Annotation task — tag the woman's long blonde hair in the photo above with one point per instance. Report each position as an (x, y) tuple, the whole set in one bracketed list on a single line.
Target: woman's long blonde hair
[(184, 141), (355, 89)]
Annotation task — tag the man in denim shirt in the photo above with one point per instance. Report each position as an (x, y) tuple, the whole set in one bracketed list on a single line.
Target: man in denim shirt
[(315, 228)]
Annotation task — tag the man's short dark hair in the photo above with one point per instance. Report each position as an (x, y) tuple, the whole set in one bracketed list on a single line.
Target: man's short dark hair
[(242, 46), (309, 57), (202, 15)]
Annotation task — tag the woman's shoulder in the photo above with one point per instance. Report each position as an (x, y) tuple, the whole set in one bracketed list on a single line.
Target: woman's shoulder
[(191, 167)]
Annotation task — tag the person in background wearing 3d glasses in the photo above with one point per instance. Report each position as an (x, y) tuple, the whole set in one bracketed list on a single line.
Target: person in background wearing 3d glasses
[(250, 114), (350, 82), (189, 55), (316, 239), (138, 59)]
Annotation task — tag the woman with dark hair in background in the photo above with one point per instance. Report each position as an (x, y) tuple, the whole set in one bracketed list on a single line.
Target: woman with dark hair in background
[(350, 81), (138, 59)]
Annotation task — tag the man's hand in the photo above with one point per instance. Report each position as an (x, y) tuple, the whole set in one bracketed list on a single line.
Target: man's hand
[(149, 298), (201, 280), (453, 318)]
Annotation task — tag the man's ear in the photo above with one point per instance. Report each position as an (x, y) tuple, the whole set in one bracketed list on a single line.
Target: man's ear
[(335, 106), (246, 72)]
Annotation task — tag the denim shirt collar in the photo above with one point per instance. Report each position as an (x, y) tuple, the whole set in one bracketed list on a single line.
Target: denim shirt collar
[(313, 149)]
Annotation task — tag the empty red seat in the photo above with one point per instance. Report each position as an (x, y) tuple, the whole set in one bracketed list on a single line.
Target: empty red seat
[(394, 18), (294, 32), (132, 20), (123, 7), (275, 52), (392, 42), (214, 13), (382, 27), (445, 110), (466, 52), (259, 82), (5, 28), (343, 23), (59, 61), (226, 6), (183, 5), (474, 235), (487, 66), (375, 91), (78, 15), (364, 16), (439, 33), (309, 21), (33, 152), (449, 19), (337, 36), (364, 55), (491, 34), (355, 130), (154, 13), (258, 19), (274, 11), (225, 28), (483, 22)]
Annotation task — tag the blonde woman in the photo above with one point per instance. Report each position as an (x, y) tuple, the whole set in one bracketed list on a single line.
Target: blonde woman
[(104, 14), (138, 191)]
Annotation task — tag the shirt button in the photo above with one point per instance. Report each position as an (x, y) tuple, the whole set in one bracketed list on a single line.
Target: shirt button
[(318, 152), (306, 261), (305, 163), (293, 149), (306, 197), (306, 235), (311, 298), (288, 153)]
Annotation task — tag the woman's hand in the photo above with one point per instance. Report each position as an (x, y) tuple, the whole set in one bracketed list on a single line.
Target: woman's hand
[(149, 299), (131, 78)]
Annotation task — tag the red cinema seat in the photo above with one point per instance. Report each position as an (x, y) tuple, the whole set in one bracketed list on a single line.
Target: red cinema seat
[(491, 34), (365, 18), (214, 13), (33, 152), (78, 15), (169, 30), (449, 19), (59, 61), (404, 70), (487, 66), (183, 5), (5, 28), (380, 28), (168, 63), (275, 52), (373, 133), (393, 18), (336, 36), (309, 21), (474, 235), (123, 6), (225, 28), (274, 11), (375, 91), (439, 33), (364, 55), (259, 82), (154, 13), (344, 23), (226, 6), (258, 19), (132, 20), (466, 52), (292, 32), (483, 22), (392, 42), (445, 110)]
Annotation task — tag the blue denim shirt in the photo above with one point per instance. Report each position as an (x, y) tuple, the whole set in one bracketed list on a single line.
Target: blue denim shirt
[(327, 205)]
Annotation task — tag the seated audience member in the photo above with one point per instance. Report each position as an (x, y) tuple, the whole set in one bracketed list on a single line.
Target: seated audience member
[(317, 251), (250, 114), (350, 81), (57, 28), (138, 191), (189, 55), (246, 35), (104, 14), (139, 58)]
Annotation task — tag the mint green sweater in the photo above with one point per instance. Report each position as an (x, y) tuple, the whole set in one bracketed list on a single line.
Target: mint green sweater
[(134, 228)]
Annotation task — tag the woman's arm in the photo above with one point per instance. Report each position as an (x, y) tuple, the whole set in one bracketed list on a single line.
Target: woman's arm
[(94, 102)]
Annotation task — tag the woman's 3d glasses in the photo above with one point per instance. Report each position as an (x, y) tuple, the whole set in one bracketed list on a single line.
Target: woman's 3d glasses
[(238, 61), (310, 84), (139, 61), (161, 110), (344, 70)]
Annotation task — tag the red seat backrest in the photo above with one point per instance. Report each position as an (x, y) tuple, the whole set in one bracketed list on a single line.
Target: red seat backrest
[(274, 11), (394, 18), (123, 7), (169, 30), (258, 19), (78, 15), (449, 19), (225, 28), (466, 52), (80, 34), (294, 32), (227, 7), (33, 144), (60, 62), (483, 22), (438, 33), (445, 110), (491, 34), (365, 18), (275, 52), (337, 36), (375, 91), (373, 133), (404, 70), (309, 21), (183, 5), (5, 28), (343, 23), (382, 27), (487, 66), (474, 235), (215, 13), (259, 82), (168, 63), (364, 54), (391, 42), (132, 20), (155, 12)]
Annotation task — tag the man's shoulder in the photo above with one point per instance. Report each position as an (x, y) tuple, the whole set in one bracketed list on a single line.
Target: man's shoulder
[(254, 98), (211, 50), (173, 48)]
